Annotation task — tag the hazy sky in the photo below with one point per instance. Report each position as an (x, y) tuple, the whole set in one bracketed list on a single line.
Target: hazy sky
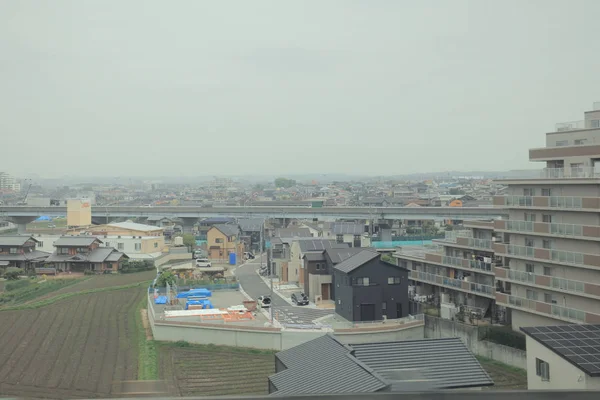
[(230, 87)]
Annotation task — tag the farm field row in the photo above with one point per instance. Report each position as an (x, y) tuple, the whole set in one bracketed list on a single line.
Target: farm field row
[(74, 348)]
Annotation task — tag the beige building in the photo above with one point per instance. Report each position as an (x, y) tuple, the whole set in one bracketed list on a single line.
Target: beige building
[(457, 273), (126, 228), (550, 244), (79, 213)]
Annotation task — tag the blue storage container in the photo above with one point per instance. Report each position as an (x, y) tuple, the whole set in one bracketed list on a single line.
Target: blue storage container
[(232, 258)]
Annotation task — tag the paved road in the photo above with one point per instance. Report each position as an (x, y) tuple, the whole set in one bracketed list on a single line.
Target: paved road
[(285, 313)]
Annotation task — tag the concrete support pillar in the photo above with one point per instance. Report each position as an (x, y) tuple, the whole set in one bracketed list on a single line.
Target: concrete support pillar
[(187, 224), (21, 223)]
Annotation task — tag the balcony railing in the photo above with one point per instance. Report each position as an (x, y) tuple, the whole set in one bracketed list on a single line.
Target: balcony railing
[(569, 230), (476, 264), (552, 282), (521, 251), (568, 202), (556, 256), (480, 243), (554, 310), (571, 173), (567, 257), (457, 262), (453, 283), (570, 126)]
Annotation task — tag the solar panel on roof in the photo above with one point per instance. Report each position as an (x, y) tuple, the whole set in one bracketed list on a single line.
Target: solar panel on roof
[(578, 344)]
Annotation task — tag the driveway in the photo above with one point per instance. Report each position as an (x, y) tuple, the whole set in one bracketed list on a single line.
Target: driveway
[(285, 313)]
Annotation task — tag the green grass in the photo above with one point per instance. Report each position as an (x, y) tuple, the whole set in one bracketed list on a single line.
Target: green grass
[(59, 222), (34, 290), (215, 348), (64, 296), (510, 368), (147, 349)]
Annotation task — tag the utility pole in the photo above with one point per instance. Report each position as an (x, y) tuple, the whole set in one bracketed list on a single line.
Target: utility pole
[(269, 260)]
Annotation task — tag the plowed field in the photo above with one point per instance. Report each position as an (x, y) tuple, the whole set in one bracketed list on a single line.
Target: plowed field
[(195, 372), (71, 349)]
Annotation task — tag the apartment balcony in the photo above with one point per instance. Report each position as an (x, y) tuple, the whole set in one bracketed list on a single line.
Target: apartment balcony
[(571, 173), (591, 232), (466, 240), (457, 284), (553, 283), (463, 263), (591, 261), (479, 224), (547, 309), (564, 151), (568, 203)]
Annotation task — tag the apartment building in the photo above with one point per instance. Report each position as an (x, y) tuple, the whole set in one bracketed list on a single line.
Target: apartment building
[(550, 243), (457, 273)]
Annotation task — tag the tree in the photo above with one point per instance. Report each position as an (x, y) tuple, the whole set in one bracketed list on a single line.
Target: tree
[(13, 274), (164, 278), (189, 241), (284, 183)]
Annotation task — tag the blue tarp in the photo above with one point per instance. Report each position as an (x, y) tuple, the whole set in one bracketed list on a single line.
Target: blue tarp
[(160, 300), (194, 293), (44, 218), (206, 304)]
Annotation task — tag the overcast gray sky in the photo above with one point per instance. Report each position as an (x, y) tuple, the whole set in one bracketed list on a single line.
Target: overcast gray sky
[(230, 87)]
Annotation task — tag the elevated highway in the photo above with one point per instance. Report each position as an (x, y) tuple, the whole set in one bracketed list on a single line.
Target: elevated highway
[(325, 213)]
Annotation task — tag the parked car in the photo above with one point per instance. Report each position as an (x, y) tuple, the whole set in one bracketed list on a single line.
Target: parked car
[(299, 299), (199, 254), (264, 301), (203, 263)]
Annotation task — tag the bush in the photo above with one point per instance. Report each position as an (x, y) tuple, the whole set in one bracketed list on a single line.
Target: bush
[(89, 272), (165, 277), (12, 273), (18, 284), (503, 335), (128, 266)]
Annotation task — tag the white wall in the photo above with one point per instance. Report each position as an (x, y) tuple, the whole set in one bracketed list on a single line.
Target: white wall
[(563, 375), (129, 243)]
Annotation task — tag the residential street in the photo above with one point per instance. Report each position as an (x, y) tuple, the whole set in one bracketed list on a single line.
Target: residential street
[(285, 313)]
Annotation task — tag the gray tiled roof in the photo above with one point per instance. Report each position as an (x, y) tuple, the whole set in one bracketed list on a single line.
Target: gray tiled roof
[(100, 254), (339, 255), (34, 255), (357, 260), (323, 366), (293, 232), (445, 363), (314, 256), (348, 228), (251, 224), (73, 241), (228, 229), (17, 241), (319, 244)]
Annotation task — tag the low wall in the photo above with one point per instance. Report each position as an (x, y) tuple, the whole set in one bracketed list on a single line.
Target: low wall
[(267, 338), (162, 260), (436, 328)]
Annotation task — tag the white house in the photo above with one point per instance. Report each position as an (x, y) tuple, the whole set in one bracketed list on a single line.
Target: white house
[(563, 357)]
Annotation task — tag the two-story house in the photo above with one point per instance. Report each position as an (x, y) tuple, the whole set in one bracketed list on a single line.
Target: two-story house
[(20, 252), (369, 289), (299, 247), (222, 240), (84, 253), (352, 233), (250, 232)]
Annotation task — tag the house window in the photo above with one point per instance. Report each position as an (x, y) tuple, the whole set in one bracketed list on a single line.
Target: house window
[(529, 217), (360, 281), (82, 249), (155, 245), (546, 192), (120, 246), (542, 369), (529, 268), (138, 246), (394, 280), (340, 238), (384, 306), (62, 250), (339, 302), (40, 244), (595, 123), (13, 250), (579, 142), (318, 266), (107, 244), (547, 244), (547, 271), (548, 298), (529, 242), (528, 192), (218, 240), (562, 143), (547, 218), (531, 294)]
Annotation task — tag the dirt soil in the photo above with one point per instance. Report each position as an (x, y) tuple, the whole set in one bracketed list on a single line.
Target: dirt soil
[(76, 348), (191, 371)]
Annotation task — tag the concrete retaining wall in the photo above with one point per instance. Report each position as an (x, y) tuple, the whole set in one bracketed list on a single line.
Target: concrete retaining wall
[(172, 256), (436, 328), (271, 338)]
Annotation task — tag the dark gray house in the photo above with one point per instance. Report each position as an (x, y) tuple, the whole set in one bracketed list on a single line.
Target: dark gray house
[(250, 229), (327, 366), (368, 289)]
